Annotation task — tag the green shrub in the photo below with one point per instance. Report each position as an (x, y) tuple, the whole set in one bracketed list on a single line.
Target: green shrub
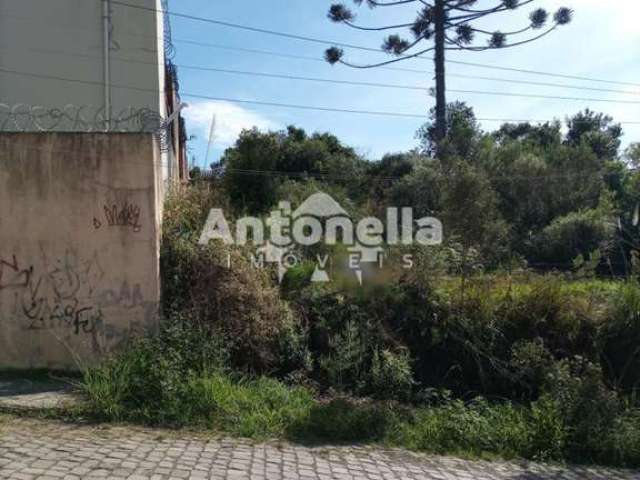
[(542, 310), (577, 233), (353, 344), (107, 389), (556, 346), (620, 337), (185, 213), (346, 363), (622, 445), (298, 277), (216, 289), (391, 375), (531, 362), (589, 409), (547, 432), (147, 379)]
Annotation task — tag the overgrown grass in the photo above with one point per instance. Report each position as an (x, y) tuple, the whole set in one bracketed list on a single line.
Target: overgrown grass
[(257, 408), (408, 367), (481, 429), (262, 408)]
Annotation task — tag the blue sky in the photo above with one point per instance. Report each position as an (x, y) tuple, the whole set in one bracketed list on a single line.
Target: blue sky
[(602, 42)]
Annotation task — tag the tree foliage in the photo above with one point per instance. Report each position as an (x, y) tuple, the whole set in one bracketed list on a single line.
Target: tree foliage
[(524, 190), (259, 162), (459, 17)]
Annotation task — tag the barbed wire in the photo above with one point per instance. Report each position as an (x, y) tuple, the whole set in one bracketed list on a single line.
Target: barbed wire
[(169, 48), (84, 118)]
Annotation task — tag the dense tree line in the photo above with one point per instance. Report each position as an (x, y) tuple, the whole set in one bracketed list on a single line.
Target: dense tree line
[(524, 192)]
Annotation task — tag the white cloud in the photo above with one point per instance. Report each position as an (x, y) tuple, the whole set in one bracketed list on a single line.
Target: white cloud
[(230, 121)]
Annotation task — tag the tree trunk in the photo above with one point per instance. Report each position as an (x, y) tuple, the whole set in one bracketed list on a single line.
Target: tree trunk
[(441, 99)]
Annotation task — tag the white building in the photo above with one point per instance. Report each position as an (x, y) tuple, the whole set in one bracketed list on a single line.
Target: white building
[(88, 65)]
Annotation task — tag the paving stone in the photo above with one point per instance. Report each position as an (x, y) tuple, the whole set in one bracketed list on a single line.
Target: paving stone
[(38, 449)]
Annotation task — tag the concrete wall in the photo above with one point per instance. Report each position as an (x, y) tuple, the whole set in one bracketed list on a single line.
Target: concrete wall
[(79, 245)]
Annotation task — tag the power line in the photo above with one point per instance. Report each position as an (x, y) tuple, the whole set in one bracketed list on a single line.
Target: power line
[(319, 59), (269, 103), (199, 43), (330, 176), (327, 175), (542, 84), (397, 86), (221, 99), (532, 95), (359, 83), (246, 27), (537, 72), (370, 84), (357, 47)]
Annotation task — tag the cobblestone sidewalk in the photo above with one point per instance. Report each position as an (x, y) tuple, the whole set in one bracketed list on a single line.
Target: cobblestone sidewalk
[(33, 449), (26, 394)]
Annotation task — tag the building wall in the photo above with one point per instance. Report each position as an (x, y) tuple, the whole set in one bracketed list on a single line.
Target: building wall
[(79, 245), (64, 39)]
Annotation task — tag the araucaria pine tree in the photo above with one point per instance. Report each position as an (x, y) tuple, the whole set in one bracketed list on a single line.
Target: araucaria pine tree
[(445, 25)]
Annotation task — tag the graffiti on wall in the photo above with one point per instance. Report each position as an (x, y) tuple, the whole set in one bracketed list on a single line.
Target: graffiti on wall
[(65, 287), (127, 215), (126, 296), (59, 297), (12, 274), (70, 293)]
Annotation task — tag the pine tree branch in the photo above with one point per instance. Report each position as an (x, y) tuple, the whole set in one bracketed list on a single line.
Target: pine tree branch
[(406, 49), (481, 13), (450, 24), (510, 45), (497, 8), (459, 45), (399, 59)]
